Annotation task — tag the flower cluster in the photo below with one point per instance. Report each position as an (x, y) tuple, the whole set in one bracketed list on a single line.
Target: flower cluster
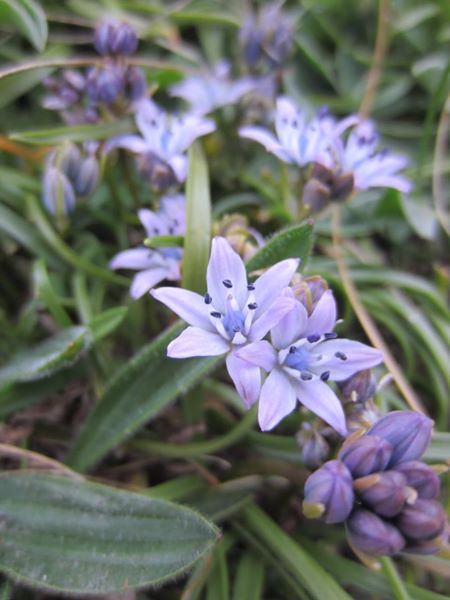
[(344, 165), (303, 353), (163, 142), (381, 490), (69, 172), (155, 265)]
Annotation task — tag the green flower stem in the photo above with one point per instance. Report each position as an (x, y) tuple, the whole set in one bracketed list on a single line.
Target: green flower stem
[(398, 587), (199, 448), (59, 246)]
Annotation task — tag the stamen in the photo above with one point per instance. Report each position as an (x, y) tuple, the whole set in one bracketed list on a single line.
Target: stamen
[(340, 355), (325, 376), (207, 299), (250, 287), (305, 376), (227, 283), (330, 336), (315, 337), (292, 350), (236, 328), (216, 314), (252, 306)]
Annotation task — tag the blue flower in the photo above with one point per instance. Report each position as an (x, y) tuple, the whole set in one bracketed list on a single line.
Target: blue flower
[(163, 138), (163, 263), (211, 90), (231, 314), (304, 355), (297, 140)]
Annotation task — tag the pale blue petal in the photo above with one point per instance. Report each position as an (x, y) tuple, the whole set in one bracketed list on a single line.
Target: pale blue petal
[(136, 258), (195, 341), (276, 401), (323, 318), (179, 166), (187, 129), (269, 286), (291, 327), (260, 354), (320, 399), (145, 280), (246, 378), (152, 222), (188, 305), (225, 264), (358, 357), (271, 317), (134, 143), (266, 139)]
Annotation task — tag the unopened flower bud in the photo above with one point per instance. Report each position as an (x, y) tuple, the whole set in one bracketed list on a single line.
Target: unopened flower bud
[(135, 84), (360, 387), (68, 160), (105, 84), (316, 195), (87, 176), (244, 240), (422, 478), (314, 447), (385, 493), (422, 521), (365, 455), (57, 192), (373, 535), (115, 39), (309, 290), (329, 491), (159, 173), (409, 433)]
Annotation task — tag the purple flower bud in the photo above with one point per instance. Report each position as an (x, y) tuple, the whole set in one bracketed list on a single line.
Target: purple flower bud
[(69, 160), (87, 176), (409, 433), (385, 493), (135, 84), (431, 546), (422, 521), (159, 173), (309, 291), (360, 387), (367, 454), (57, 192), (74, 79), (105, 84), (115, 39), (422, 478), (315, 449), (373, 535), (331, 487)]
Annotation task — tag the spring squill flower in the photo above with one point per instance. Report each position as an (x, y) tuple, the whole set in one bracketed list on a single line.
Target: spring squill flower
[(358, 156), (231, 314), (329, 493), (373, 535), (163, 138), (298, 141), (163, 263), (211, 90), (304, 355)]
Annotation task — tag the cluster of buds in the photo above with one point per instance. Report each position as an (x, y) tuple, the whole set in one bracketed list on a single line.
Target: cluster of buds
[(378, 487), (115, 83), (244, 240), (69, 173)]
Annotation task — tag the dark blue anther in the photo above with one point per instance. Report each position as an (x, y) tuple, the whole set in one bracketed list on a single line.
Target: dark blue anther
[(340, 355), (325, 376), (306, 376), (252, 306), (315, 337), (292, 349), (227, 283), (207, 299), (216, 314), (250, 287), (330, 336)]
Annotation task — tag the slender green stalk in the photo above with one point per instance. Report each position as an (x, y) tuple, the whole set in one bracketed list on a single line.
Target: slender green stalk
[(199, 448), (398, 587)]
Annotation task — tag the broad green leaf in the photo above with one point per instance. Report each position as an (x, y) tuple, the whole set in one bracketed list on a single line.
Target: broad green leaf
[(60, 351), (309, 573), (75, 133), (205, 11), (143, 387), (294, 242), (28, 17), (105, 323), (77, 537), (198, 222)]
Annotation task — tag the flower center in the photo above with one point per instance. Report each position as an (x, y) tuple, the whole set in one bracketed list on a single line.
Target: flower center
[(298, 358)]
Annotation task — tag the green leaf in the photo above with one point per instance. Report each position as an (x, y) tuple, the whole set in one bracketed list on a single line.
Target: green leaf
[(77, 537), (212, 12), (106, 322), (44, 291), (309, 573), (143, 387), (294, 242), (198, 222), (28, 17), (249, 578), (75, 133), (56, 353)]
